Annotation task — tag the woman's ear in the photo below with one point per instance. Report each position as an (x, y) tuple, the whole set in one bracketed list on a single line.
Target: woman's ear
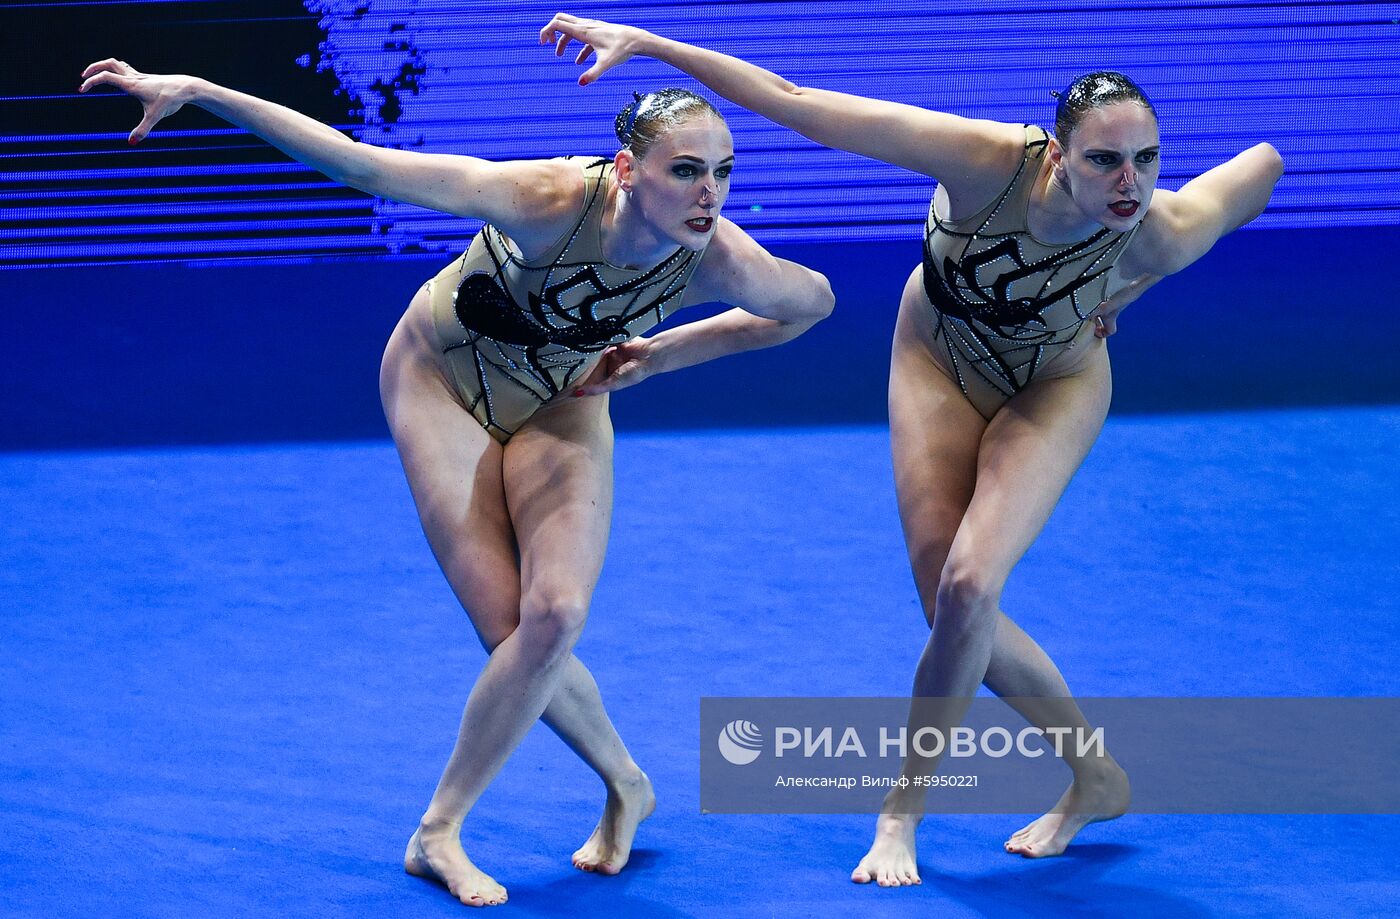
[(624, 168), (1057, 159)]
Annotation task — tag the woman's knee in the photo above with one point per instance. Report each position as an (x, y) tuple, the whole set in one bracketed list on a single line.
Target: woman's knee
[(551, 620), (968, 593)]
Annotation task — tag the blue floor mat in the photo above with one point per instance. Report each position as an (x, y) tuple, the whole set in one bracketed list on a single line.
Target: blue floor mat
[(231, 676)]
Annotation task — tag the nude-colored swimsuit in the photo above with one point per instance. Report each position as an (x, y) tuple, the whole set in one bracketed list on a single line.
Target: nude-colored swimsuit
[(1005, 303), (516, 333)]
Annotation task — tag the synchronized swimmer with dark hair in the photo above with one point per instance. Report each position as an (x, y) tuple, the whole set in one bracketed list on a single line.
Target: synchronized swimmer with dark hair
[(1090, 91), (1005, 304), (495, 385), (999, 378)]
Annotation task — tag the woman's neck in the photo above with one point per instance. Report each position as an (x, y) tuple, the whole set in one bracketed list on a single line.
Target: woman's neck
[(1053, 217), (627, 239)]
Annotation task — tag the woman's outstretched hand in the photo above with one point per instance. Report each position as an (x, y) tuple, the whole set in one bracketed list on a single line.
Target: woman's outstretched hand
[(611, 43), (621, 366), (1105, 315), (160, 96)]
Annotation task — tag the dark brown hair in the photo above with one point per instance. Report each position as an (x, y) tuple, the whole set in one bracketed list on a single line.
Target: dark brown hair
[(1091, 91)]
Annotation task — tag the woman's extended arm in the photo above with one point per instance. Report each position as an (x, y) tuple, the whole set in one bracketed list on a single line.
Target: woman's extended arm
[(953, 149), (501, 193), (1182, 226), (776, 301)]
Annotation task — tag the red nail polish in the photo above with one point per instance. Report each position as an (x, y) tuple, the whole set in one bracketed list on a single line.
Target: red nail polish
[(578, 392)]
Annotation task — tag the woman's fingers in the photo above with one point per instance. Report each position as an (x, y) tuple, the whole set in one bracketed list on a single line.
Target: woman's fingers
[(598, 39), (620, 378), (596, 387), (108, 78), (592, 73), (620, 366), (139, 133), (558, 31), (600, 372), (601, 65), (120, 75), (1105, 319), (111, 65), (95, 79), (1106, 313), (112, 68)]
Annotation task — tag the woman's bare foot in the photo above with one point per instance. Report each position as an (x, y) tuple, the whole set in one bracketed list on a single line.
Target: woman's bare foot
[(610, 846), (1088, 799), (891, 861), (438, 856)]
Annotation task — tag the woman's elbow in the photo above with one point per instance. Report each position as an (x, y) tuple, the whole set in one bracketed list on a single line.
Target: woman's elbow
[(822, 300), (1273, 160)]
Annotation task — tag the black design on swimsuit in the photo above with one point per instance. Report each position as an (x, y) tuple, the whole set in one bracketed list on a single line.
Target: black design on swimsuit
[(999, 337)]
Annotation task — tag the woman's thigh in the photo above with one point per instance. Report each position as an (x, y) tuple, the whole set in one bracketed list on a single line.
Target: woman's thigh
[(454, 472), (935, 433), (1029, 452), (558, 475)]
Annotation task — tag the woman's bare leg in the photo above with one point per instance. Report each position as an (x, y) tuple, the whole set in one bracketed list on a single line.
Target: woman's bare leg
[(1023, 674), (572, 442), (1030, 451), (934, 436), (485, 573), (969, 514), (456, 473)]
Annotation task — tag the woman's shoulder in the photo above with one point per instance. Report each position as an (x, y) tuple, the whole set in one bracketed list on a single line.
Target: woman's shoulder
[(549, 195), (556, 182), (1009, 153)]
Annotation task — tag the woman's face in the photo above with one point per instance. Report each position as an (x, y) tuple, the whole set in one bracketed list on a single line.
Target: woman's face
[(682, 181), (1110, 165)]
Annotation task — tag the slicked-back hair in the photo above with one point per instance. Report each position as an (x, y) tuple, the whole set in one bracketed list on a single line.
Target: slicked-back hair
[(1094, 90), (647, 117)]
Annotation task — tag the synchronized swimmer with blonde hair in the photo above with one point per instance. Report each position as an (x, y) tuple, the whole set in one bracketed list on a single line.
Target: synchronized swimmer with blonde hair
[(495, 385)]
